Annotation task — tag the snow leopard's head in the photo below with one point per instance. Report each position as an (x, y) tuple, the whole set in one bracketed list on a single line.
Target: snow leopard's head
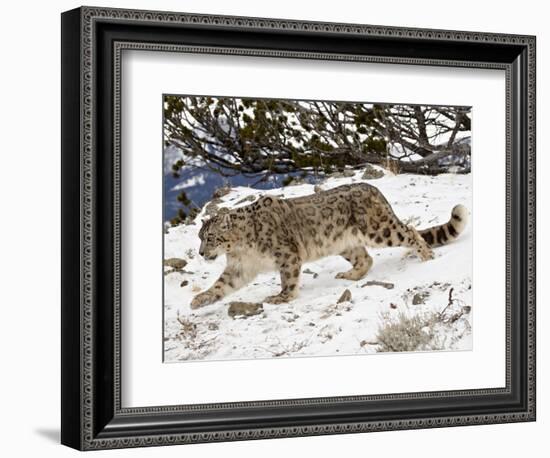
[(217, 235)]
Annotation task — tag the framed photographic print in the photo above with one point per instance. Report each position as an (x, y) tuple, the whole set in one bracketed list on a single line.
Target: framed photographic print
[(277, 228)]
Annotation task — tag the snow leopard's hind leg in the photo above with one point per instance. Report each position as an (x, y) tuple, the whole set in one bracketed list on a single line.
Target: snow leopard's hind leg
[(361, 262), (408, 236)]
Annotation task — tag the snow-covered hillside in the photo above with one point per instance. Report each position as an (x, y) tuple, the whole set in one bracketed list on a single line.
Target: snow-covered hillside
[(436, 295)]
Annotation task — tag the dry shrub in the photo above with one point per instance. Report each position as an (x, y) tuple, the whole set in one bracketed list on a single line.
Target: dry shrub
[(407, 334)]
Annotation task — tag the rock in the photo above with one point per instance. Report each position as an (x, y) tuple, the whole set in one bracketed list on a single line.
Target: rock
[(250, 198), (371, 173), (244, 309), (383, 284), (420, 298), (348, 173), (296, 181), (345, 297), (184, 283), (175, 263), (222, 191), (213, 207), (343, 174)]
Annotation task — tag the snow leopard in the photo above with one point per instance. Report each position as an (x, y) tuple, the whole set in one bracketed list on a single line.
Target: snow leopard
[(277, 234)]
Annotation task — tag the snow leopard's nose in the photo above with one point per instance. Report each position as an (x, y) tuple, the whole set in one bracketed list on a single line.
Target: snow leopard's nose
[(201, 248)]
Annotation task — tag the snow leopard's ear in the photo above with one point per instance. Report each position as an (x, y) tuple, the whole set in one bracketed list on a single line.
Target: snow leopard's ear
[(224, 219), (205, 221)]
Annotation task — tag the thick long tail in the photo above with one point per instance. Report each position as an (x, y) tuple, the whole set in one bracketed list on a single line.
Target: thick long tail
[(445, 233)]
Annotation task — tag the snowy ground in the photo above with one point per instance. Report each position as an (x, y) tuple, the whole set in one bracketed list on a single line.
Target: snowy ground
[(315, 324)]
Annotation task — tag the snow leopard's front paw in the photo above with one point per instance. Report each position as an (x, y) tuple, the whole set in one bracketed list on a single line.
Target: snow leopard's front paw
[(426, 254), (202, 299)]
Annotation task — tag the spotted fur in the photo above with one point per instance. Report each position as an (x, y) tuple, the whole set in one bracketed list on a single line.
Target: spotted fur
[(282, 234)]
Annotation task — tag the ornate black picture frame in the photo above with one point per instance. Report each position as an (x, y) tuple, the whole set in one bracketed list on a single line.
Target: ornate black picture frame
[(92, 42)]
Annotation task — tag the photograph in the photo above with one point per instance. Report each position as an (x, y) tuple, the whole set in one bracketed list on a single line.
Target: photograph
[(307, 228)]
